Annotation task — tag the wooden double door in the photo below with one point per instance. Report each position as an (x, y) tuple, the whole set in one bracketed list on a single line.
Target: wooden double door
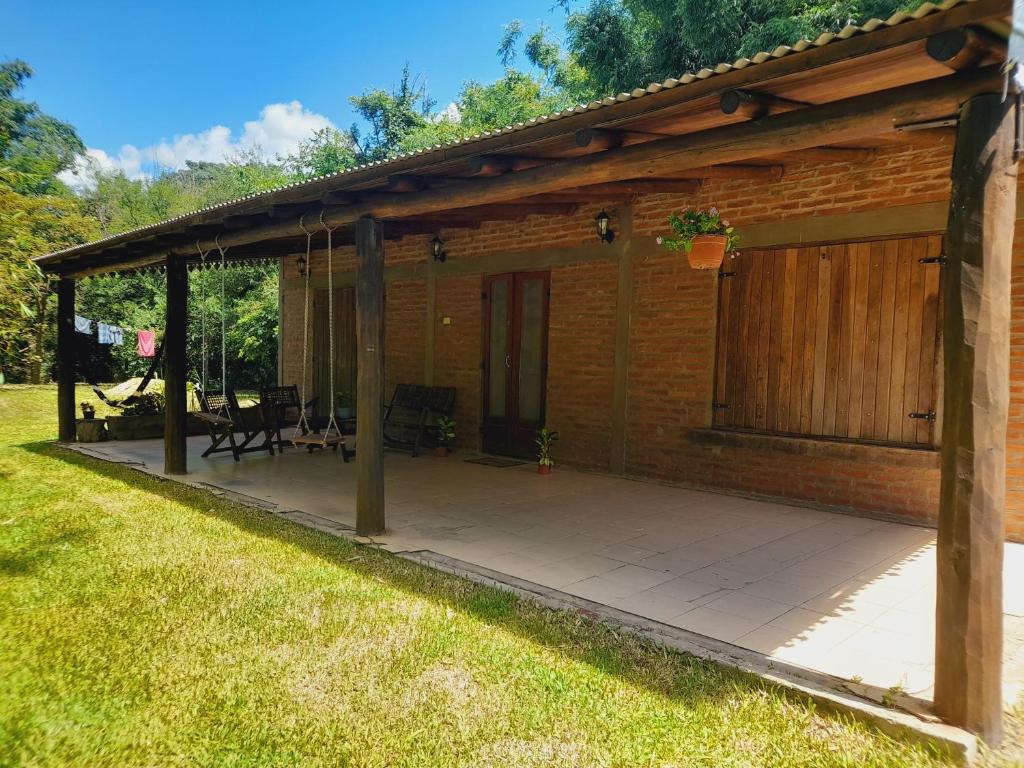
[(515, 351)]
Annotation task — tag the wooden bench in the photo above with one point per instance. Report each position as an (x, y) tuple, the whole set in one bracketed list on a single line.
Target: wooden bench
[(413, 412)]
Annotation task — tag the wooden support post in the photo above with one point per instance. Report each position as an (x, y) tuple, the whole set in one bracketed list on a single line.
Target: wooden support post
[(175, 367), (66, 360), (369, 388), (976, 341)]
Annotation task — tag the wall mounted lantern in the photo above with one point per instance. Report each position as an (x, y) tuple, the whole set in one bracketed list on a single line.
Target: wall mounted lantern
[(301, 265), (437, 250), (604, 230)]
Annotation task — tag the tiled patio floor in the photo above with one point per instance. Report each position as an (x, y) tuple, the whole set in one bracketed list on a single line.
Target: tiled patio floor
[(847, 596)]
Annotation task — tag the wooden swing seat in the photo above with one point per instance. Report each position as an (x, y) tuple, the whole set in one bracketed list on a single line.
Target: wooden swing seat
[(314, 441)]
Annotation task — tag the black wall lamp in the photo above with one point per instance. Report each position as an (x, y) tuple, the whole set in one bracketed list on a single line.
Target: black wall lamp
[(437, 250), (604, 229), (301, 265)]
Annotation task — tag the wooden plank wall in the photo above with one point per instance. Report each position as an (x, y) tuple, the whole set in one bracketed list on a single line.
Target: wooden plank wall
[(344, 344), (832, 340)]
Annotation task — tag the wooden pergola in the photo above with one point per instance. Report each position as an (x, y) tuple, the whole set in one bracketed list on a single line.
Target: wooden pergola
[(841, 97)]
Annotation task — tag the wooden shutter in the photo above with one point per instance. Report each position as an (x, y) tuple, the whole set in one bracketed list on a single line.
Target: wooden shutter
[(834, 341)]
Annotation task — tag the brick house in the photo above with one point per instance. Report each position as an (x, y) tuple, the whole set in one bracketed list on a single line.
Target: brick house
[(852, 356)]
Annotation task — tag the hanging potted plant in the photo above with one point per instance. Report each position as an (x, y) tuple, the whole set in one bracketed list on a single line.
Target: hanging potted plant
[(445, 435), (545, 441), (704, 235)]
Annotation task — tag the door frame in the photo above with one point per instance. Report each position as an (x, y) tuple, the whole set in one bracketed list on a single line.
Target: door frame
[(513, 345)]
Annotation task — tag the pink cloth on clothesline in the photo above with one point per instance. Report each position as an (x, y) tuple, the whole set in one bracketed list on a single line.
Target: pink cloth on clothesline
[(147, 343)]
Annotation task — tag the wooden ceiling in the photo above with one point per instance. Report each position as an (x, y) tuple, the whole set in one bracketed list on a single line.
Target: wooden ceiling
[(839, 101)]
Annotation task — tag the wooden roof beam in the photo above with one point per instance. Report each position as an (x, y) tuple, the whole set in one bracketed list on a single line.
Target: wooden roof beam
[(753, 104), (964, 47), (496, 165), (601, 139), (760, 172), (641, 187), (835, 154)]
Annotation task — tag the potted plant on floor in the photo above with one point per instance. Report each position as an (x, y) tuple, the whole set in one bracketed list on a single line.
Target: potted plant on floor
[(545, 441), (140, 417), (344, 403), (88, 410), (445, 435), (704, 235)]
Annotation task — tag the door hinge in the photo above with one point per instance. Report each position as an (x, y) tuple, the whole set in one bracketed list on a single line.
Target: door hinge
[(940, 260), (719, 407), (924, 416), (722, 274)]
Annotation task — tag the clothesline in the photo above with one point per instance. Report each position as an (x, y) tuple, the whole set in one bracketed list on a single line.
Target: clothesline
[(113, 335)]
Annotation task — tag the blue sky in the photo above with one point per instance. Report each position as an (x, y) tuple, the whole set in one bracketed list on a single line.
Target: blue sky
[(188, 78)]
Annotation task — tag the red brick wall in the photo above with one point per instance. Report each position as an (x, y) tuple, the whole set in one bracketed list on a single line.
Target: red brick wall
[(581, 360), (405, 338), (457, 351)]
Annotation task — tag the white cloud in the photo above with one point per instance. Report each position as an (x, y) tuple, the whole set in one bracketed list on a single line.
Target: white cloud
[(451, 113), (278, 132)]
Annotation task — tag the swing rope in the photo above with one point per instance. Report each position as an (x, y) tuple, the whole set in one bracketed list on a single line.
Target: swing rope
[(205, 367), (302, 426), (223, 321), (331, 422), (332, 432)]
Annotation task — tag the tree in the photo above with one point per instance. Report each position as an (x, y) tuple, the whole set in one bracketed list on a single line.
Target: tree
[(36, 216), (391, 117), (618, 45), (33, 145), (327, 151), (29, 226)]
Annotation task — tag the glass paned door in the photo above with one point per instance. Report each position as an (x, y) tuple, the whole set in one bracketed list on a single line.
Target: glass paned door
[(515, 360)]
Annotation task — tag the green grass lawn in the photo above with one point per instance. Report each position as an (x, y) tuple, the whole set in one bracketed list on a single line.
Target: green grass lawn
[(144, 623)]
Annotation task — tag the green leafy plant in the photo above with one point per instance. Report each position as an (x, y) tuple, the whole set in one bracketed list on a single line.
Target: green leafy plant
[(144, 404), (693, 222), (344, 400), (445, 430), (545, 441)]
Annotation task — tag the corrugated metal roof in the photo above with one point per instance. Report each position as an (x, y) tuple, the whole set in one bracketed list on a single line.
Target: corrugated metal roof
[(781, 51)]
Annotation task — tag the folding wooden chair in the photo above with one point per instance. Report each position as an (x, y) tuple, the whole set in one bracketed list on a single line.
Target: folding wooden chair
[(223, 418), (281, 408)]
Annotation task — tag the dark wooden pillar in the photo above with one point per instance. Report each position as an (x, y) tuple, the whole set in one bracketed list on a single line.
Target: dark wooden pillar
[(976, 337), (175, 367), (369, 388), (66, 360)]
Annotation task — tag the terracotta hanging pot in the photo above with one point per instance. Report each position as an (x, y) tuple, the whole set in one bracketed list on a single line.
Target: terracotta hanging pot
[(441, 451), (707, 251)]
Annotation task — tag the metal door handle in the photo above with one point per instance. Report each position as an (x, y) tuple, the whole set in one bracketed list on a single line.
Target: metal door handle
[(508, 361)]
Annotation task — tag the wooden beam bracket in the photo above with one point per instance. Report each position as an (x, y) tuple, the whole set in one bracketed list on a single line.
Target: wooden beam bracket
[(964, 47), (754, 104)]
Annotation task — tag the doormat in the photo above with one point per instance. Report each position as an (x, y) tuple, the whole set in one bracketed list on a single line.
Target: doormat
[(494, 461)]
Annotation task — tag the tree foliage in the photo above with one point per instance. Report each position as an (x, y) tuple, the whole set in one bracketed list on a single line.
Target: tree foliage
[(34, 146)]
